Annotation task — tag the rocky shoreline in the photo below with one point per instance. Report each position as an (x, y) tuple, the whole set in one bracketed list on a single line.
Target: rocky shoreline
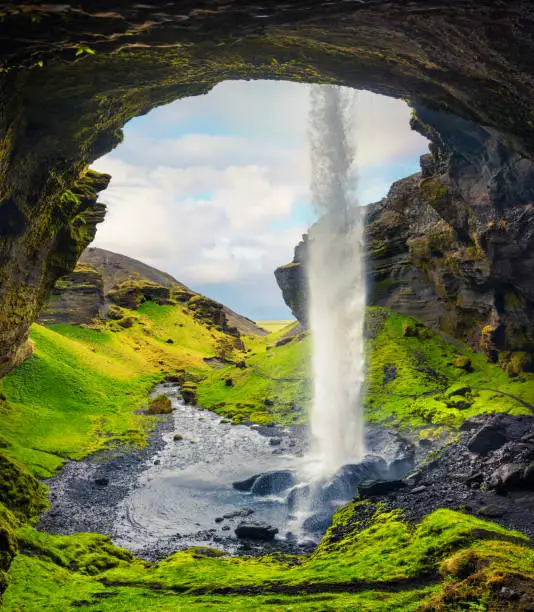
[(85, 494)]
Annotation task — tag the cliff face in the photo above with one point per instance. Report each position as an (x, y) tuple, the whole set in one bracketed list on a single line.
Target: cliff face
[(454, 245)]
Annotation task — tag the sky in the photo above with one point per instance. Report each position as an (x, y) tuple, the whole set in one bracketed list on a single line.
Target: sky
[(214, 189)]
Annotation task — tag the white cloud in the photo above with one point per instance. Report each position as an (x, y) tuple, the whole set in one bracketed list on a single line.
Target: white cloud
[(211, 188)]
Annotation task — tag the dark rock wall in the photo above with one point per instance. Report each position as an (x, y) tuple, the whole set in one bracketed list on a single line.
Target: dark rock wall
[(76, 298), (454, 245), (72, 74)]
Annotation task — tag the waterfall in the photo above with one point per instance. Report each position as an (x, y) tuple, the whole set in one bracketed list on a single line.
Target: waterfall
[(336, 281)]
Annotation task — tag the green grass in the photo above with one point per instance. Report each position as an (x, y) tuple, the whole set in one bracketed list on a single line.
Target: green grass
[(273, 326), (425, 378), (274, 385), (80, 389), (59, 572)]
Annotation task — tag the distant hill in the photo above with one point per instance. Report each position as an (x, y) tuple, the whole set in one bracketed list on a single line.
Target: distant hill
[(102, 278), (116, 269)]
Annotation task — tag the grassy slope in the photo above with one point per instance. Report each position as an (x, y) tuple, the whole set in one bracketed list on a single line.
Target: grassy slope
[(395, 562), (273, 326), (426, 378), (79, 390)]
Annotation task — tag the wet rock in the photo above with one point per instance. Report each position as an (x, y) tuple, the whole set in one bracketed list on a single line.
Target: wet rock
[(275, 441), (245, 485), (258, 531), (272, 483), (419, 489), (219, 519), (377, 488), (297, 495), (486, 439), (317, 523), (157, 462), (236, 513), (226, 528), (102, 482), (528, 476), (400, 467)]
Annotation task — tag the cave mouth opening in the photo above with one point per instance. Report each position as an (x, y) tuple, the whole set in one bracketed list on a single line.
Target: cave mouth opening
[(215, 189)]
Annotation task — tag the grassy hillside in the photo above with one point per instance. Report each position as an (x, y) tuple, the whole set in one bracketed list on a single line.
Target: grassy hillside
[(273, 326), (83, 387), (449, 561), (80, 389)]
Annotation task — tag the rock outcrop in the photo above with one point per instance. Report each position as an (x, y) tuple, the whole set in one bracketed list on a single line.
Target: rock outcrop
[(76, 298), (453, 245), (103, 283)]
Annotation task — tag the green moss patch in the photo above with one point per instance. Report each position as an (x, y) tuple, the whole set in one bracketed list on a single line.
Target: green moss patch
[(385, 564)]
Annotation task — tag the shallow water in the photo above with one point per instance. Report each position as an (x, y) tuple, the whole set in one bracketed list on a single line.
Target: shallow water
[(174, 504)]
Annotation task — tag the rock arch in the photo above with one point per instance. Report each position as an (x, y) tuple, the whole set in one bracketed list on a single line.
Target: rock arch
[(74, 73)]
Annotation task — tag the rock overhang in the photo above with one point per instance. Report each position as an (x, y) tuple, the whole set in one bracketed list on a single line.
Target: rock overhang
[(74, 73)]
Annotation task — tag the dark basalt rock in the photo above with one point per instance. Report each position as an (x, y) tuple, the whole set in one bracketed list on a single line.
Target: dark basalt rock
[(497, 484), (317, 523), (486, 439), (378, 488), (245, 485), (255, 531), (272, 483)]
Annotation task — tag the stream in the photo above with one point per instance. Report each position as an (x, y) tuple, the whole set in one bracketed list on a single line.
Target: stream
[(178, 492), (187, 484), (167, 496)]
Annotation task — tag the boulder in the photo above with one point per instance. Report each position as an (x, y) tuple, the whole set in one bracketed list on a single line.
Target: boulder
[(245, 485), (507, 476), (377, 488), (272, 483), (297, 495), (492, 511), (258, 531), (528, 476), (486, 439), (317, 523)]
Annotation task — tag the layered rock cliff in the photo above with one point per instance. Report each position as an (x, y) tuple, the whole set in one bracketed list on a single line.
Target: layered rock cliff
[(103, 283), (453, 245)]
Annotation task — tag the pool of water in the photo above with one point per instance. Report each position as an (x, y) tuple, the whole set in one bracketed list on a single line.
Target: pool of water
[(174, 502)]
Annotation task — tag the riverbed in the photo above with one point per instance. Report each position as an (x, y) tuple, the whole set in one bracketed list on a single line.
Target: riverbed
[(177, 492)]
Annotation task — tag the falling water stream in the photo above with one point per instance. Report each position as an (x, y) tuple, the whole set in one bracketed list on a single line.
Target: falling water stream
[(336, 280)]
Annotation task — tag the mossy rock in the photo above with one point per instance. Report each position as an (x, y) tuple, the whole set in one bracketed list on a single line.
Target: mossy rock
[(20, 491), (115, 313), (127, 322), (189, 393), (8, 545), (177, 437), (463, 363), (458, 389), (459, 402), (160, 405), (517, 363)]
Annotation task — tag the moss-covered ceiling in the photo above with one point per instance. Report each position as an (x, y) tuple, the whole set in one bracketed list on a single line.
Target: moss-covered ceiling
[(73, 73)]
